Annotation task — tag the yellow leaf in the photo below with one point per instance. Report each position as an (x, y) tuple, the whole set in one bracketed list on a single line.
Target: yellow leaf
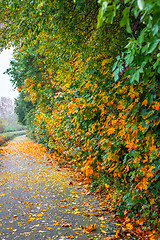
[(103, 226), (129, 226), (3, 194), (40, 215), (106, 185)]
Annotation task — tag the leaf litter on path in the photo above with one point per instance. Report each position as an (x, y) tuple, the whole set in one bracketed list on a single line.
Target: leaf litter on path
[(40, 200)]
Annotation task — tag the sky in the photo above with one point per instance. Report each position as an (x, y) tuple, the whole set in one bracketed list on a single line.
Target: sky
[(6, 89)]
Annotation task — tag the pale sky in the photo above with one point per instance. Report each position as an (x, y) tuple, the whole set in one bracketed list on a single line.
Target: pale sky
[(6, 89)]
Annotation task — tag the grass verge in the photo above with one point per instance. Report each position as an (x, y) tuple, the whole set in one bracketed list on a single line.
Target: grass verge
[(7, 136)]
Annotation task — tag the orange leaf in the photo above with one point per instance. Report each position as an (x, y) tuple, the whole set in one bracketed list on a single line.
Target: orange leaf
[(89, 228), (129, 226), (56, 224), (103, 226), (110, 131), (49, 228), (145, 102), (31, 219)]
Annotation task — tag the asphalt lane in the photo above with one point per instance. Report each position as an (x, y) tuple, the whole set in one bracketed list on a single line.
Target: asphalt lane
[(39, 200)]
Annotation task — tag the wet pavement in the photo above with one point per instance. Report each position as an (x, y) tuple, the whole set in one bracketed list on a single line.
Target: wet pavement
[(39, 200)]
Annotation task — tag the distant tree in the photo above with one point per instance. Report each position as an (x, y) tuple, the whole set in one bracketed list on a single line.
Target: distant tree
[(2, 125), (22, 107), (8, 116), (6, 107)]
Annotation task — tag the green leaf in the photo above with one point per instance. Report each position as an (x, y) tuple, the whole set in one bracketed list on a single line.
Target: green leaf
[(101, 16), (157, 62), (115, 74), (150, 98), (141, 4), (135, 77), (155, 28), (125, 20), (157, 176), (129, 59), (110, 14), (153, 46)]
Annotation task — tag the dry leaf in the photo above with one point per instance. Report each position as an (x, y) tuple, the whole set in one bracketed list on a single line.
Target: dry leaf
[(103, 226), (98, 214), (30, 219), (3, 194), (40, 215), (89, 228), (56, 224), (66, 225), (49, 228), (86, 214), (26, 233)]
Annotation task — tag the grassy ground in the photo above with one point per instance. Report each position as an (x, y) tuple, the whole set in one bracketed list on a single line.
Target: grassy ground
[(5, 137)]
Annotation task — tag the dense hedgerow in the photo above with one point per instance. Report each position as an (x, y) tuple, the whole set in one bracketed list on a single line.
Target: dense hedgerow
[(94, 101)]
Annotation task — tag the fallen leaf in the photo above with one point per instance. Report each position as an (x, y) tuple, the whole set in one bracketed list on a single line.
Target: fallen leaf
[(56, 224), (26, 233), (66, 225), (40, 215), (98, 214), (30, 219), (49, 228), (86, 203), (104, 232), (103, 226), (86, 214), (3, 194), (71, 237), (89, 228)]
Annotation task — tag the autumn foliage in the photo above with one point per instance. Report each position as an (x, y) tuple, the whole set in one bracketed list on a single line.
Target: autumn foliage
[(109, 129)]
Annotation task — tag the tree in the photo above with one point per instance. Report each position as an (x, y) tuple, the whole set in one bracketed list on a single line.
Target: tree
[(22, 108), (2, 125), (8, 115)]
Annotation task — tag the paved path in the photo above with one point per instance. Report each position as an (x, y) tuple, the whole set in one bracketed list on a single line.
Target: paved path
[(38, 200)]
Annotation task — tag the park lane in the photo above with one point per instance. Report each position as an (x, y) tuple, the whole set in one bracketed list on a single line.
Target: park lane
[(39, 200)]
